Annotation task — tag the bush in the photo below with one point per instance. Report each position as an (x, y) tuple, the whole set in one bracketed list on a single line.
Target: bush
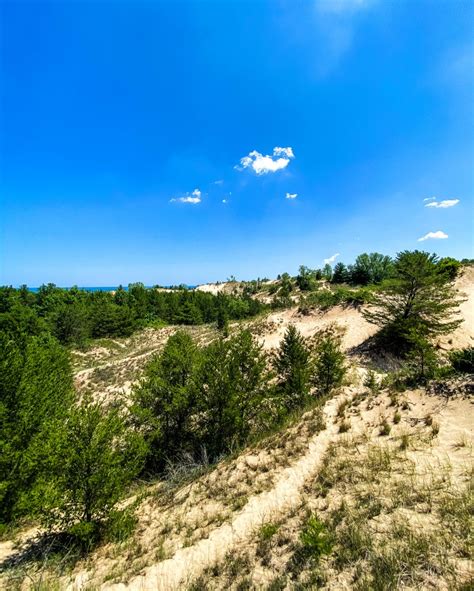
[(463, 360)]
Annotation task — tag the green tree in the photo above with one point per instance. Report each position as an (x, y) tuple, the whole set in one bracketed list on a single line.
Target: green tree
[(327, 272), (250, 378), (329, 361), (164, 401), (340, 274), (233, 389), (222, 315), (305, 279), (93, 456), (216, 399), (36, 390), (418, 300), (292, 364), (451, 267), (371, 268)]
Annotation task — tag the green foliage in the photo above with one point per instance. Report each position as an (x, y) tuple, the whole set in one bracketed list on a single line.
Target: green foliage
[(315, 539), (75, 316), (233, 388), (329, 362), (327, 272), (326, 298), (165, 400), (419, 301), (463, 360), (35, 392), (268, 530), (292, 363), (370, 268), (450, 267), (193, 399), (371, 382), (340, 273), (422, 361), (92, 458), (306, 278)]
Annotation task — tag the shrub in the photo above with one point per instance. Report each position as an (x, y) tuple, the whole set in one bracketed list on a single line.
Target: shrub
[(315, 539), (463, 360)]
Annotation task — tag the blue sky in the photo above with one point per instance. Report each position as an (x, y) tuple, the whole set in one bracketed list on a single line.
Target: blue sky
[(158, 141)]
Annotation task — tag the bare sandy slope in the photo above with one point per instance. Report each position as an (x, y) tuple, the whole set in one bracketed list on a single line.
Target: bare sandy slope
[(463, 336), (356, 329)]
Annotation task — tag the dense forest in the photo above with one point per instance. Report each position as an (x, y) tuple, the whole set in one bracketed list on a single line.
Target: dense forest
[(74, 316)]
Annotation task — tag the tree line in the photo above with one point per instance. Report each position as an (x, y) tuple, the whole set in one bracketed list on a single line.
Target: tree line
[(74, 316), (368, 269)]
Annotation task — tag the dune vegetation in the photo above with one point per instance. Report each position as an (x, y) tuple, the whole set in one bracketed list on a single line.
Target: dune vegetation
[(305, 432)]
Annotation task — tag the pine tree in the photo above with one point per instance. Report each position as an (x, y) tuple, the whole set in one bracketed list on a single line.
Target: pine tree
[(92, 458), (165, 399), (340, 274), (250, 378), (36, 391), (292, 364), (420, 299), (329, 366)]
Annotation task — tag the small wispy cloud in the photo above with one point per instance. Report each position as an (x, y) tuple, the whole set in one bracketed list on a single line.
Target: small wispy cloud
[(443, 204), (429, 199), (331, 259), (194, 198), (439, 235), (261, 164), (219, 182), (337, 22), (291, 195)]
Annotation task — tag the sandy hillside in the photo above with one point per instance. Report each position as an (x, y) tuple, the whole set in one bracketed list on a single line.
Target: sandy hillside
[(111, 369), (388, 473), (193, 534)]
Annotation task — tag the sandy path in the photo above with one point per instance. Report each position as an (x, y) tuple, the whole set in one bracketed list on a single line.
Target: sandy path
[(189, 562)]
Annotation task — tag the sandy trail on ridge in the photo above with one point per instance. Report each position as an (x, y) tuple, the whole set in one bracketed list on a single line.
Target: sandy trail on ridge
[(189, 562)]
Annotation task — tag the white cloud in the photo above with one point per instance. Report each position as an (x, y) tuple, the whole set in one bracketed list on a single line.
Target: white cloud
[(291, 195), (288, 152), (443, 204), (194, 198), (330, 260), (261, 164), (224, 201), (219, 182), (439, 235), (429, 199)]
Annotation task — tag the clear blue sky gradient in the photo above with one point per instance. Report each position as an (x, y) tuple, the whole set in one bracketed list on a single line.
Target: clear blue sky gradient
[(109, 110)]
